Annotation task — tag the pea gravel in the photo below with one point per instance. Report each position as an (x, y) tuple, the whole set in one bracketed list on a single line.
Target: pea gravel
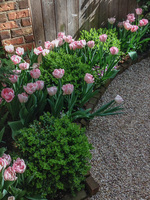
[(121, 154)]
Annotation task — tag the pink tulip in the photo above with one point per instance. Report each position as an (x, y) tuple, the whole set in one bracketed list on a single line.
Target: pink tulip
[(16, 59), (113, 50), (118, 99), (23, 98), (1, 100), (73, 45), (45, 52), (3, 163), (143, 22), (68, 38), (134, 28), (4, 84), (67, 89), (91, 44), (103, 38), (58, 73), (52, 90), (30, 88), (38, 50), (89, 78), (20, 51), (7, 157), (11, 198), (120, 24), (40, 85), (7, 94), (55, 43), (127, 25), (35, 65), (16, 71), (131, 17), (24, 66), (61, 41), (9, 174), (13, 78), (35, 73), (138, 11), (61, 34), (19, 166), (112, 20), (9, 48), (48, 45)]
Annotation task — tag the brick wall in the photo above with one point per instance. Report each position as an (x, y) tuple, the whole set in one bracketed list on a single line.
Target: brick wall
[(15, 23)]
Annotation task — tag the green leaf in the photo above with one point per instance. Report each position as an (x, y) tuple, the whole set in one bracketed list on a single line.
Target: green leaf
[(15, 127), (2, 150), (35, 198), (133, 55), (2, 133)]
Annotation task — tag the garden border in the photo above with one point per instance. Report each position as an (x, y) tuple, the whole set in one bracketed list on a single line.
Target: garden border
[(91, 185)]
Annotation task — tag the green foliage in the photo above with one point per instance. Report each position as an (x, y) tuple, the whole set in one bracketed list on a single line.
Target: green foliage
[(145, 5), (57, 152), (94, 34), (75, 70)]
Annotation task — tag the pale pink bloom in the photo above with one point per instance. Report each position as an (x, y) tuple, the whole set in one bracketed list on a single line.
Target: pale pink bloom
[(35, 65), (35, 73), (91, 44), (19, 166), (16, 59), (73, 46), (7, 94), (38, 50), (61, 41), (52, 90), (1, 100), (45, 52), (112, 20), (103, 38), (16, 71), (48, 45), (131, 17), (13, 78), (138, 11), (24, 66), (88, 78), (3, 163), (55, 43), (4, 84), (23, 98), (143, 22), (20, 51), (68, 38), (11, 198), (7, 157), (83, 42), (79, 44), (9, 48), (118, 99), (61, 34), (30, 88), (120, 24), (58, 73), (40, 85), (127, 26), (134, 28), (67, 89), (9, 174), (113, 50)]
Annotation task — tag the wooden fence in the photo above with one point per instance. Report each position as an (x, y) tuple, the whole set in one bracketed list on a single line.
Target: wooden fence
[(70, 16)]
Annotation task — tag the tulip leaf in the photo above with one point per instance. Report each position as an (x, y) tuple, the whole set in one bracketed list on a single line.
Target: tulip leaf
[(15, 127), (133, 55)]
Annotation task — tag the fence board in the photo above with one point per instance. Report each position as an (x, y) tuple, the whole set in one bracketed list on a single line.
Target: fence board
[(49, 19), (37, 22), (84, 14), (103, 13), (113, 8), (94, 13), (123, 9)]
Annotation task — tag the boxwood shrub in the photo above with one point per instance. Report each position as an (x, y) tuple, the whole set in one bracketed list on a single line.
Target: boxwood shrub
[(57, 152)]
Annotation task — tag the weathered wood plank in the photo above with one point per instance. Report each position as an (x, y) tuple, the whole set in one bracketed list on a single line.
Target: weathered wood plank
[(132, 5), (61, 16), (94, 14), (123, 9), (103, 13), (37, 22), (73, 17), (84, 7), (49, 21), (113, 8)]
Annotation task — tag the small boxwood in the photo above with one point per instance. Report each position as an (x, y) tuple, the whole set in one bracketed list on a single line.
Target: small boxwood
[(57, 152)]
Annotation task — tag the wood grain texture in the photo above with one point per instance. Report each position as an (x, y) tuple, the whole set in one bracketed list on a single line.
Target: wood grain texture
[(49, 19), (37, 22)]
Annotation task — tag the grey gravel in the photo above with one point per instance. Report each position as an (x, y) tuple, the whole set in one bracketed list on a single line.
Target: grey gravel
[(121, 154)]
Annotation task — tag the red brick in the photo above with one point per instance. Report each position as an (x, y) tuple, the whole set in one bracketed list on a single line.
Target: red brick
[(14, 41), (18, 14), (27, 31), (26, 46), (16, 32), (3, 17), (23, 4), (26, 22), (8, 25), (5, 35), (29, 38), (7, 6)]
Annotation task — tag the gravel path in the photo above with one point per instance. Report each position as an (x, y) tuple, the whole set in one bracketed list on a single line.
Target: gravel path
[(121, 155)]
